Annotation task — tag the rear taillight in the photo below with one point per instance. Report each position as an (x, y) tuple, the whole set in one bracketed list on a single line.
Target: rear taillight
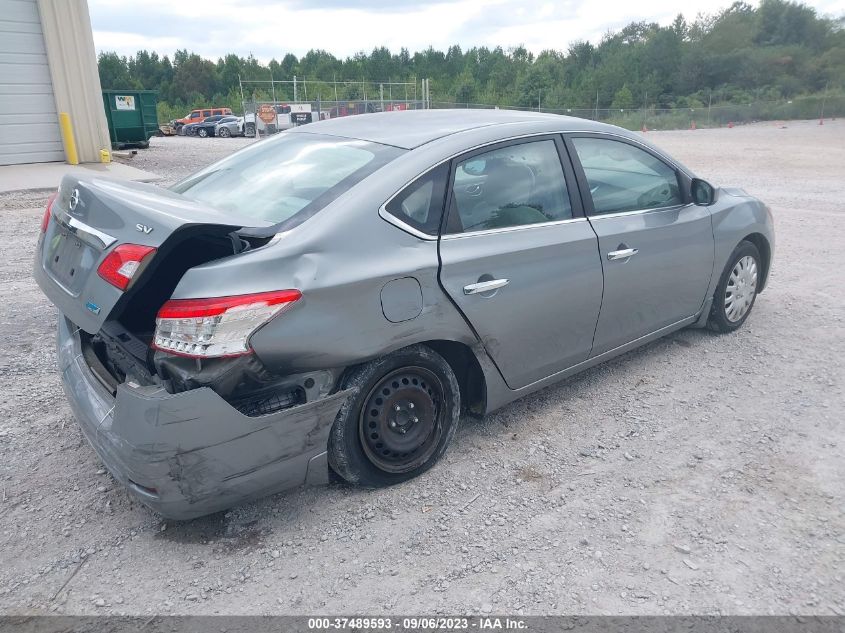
[(45, 221), (121, 265), (220, 326)]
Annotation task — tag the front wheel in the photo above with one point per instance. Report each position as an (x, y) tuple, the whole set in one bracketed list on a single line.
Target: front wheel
[(401, 420), (202, 132), (737, 289)]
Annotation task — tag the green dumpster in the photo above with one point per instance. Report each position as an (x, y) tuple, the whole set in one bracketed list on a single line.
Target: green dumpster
[(131, 116)]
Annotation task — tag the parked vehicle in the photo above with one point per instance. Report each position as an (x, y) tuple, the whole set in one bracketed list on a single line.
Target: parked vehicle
[(196, 116), (229, 126), (336, 296), (287, 116), (203, 128), (249, 123), (209, 125)]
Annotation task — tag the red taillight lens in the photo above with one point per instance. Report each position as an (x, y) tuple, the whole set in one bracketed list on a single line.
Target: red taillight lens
[(120, 266), (219, 326), (45, 221)]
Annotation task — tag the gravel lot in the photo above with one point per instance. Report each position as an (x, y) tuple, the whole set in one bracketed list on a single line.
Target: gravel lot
[(700, 474)]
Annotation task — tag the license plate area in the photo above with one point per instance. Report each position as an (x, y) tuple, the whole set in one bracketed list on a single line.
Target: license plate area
[(69, 261)]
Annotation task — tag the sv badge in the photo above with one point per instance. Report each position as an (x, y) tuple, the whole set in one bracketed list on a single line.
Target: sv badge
[(143, 228)]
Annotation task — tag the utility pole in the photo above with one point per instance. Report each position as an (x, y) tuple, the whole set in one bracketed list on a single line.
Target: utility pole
[(294, 89), (273, 87), (824, 99), (381, 95), (709, 105), (335, 89), (539, 92), (597, 105)]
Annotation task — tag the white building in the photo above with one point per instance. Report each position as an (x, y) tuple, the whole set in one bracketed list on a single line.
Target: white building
[(48, 65)]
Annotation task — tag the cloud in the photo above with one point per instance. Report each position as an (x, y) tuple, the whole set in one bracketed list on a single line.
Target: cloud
[(272, 28)]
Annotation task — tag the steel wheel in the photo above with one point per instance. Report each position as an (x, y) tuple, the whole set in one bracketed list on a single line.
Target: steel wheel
[(401, 422), (741, 289)]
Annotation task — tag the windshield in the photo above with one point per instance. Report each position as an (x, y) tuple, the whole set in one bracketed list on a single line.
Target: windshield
[(288, 178)]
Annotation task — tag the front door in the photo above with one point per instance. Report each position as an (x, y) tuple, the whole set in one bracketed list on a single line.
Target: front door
[(656, 247), (519, 259)]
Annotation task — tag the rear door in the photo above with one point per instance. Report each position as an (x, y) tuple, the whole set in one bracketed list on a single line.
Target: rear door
[(519, 259), (656, 246)]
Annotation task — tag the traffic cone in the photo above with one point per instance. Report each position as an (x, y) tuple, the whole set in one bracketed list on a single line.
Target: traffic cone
[(692, 125), (730, 123)]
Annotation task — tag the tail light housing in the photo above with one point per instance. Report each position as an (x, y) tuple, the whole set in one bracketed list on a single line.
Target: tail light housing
[(45, 221), (121, 265), (218, 326)]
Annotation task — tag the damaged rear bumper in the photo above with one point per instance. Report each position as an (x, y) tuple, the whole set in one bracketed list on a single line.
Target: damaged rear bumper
[(190, 454)]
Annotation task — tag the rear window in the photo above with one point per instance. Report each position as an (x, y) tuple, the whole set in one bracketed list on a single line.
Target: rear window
[(288, 178)]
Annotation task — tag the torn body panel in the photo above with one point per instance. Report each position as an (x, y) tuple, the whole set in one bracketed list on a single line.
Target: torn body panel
[(190, 454)]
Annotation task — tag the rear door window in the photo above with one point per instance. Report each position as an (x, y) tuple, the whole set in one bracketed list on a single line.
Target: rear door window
[(515, 185)]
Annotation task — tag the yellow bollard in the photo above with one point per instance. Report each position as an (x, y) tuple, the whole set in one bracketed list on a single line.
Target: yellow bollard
[(67, 137), (105, 156)]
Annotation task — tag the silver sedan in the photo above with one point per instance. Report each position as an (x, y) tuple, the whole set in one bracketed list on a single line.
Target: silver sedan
[(334, 298), (229, 126)]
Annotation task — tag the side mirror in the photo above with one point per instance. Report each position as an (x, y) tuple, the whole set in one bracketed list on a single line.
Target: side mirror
[(703, 193)]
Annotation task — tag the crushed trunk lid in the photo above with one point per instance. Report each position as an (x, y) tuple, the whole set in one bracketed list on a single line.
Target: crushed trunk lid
[(92, 216)]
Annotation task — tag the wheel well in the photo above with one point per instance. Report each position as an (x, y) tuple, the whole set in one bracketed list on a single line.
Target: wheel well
[(765, 249), (468, 372)]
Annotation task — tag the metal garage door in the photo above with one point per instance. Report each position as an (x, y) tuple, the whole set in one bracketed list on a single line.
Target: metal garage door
[(29, 128)]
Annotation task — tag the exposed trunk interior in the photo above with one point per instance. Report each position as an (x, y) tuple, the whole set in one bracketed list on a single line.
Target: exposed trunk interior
[(121, 351)]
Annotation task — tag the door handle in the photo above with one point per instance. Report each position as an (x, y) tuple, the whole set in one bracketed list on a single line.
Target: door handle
[(485, 286), (625, 253)]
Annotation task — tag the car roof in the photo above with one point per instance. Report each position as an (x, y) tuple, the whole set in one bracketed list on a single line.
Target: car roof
[(411, 128)]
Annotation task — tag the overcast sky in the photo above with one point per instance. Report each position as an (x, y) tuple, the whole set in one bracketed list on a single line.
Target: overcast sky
[(272, 28)]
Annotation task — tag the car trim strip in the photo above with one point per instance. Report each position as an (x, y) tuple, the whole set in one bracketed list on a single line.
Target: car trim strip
[(509, 229), (602, 216)]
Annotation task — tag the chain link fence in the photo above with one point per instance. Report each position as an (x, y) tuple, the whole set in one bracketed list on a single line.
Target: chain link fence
[(653, 118), (290, 114)]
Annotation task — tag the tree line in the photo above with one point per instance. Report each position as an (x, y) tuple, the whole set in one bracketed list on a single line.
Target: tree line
[(779, 50)]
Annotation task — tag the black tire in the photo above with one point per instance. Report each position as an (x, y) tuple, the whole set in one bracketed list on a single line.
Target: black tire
[(202, 132), (144, 145), (373, 443), (249, 129), (720, 319)]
